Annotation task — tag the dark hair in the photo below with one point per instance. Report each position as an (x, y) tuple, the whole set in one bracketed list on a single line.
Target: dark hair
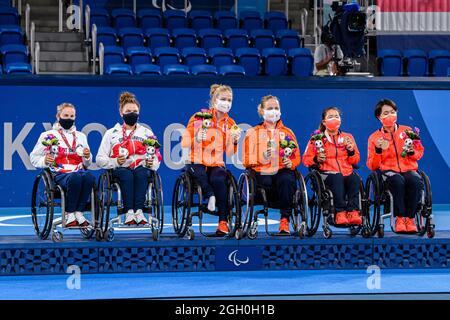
[(324, 114), (384, 102)]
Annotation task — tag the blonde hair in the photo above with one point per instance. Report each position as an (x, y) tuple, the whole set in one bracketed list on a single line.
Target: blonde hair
[(216, 89), (62, 106), (264, 99), (127, 97)]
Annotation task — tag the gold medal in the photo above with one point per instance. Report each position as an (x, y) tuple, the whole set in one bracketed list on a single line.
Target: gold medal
[(385, 145)]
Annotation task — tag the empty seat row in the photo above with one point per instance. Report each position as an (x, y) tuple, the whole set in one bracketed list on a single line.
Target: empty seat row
[(413, 62), (15, 59), (11, 34), (9, 16), (195, 19)]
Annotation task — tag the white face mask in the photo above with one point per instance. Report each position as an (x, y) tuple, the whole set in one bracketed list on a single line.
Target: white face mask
[(272, 116), (223, 106)]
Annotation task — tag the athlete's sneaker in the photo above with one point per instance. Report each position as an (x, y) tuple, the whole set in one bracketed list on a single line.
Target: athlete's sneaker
[(82, 221), (222, 229), (140, 217), (284, 226), (400, 224), (411, 225), (130, 218), (71, 220), (341, 218), (354, 217)]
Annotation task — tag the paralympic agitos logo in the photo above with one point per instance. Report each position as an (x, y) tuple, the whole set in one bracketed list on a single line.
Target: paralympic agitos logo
[(165, 6)]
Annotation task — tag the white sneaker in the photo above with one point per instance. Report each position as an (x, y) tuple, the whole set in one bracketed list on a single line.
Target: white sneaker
[(140, 217), (130, 218), (71, 220), (212, 203), (82, 221)]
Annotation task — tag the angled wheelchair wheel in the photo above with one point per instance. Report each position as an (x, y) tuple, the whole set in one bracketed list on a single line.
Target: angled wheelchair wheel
[(301, 209), (88, 233), (246, 189), (42, 204), (181, 204), (155, 201), (104, 201), (315, 192), (372, 207), (234, 208), (423, 215)]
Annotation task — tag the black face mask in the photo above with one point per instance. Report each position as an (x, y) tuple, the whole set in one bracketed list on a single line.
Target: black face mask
[(130, 118), (66, 123)]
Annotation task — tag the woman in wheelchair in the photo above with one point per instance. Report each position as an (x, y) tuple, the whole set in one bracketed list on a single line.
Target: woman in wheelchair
[(396, 158), (335, 158), (65, 151), (123, 151), (209, 134), (273, 167)]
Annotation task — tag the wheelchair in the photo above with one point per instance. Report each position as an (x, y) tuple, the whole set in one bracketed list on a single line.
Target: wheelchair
[(110, 196), (252, 195), (320, 202), (378, 195), (188, 202), (48, 195)]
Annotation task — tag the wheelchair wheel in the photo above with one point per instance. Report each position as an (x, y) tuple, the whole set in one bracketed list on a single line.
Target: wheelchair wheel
[(88, 233), (314, 190), (156, 203), (42, 205), (426, 209), (246, 188), (372, 207), (105, 202), (301, 206), (234, 208), (181, 204)]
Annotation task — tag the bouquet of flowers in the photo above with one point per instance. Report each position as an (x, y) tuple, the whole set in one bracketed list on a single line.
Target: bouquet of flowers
[(287, 147), (411, 139), (204, 117), (318, 138), (51, 144), (151, 143)]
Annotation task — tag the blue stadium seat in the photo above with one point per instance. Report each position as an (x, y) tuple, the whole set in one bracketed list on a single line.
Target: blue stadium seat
[(131, 37), (18, 68), (236, 38), (275, 61), (5, 3), (149, 18), (157, 37), (275, 21), (439, 62), (100, 17), (193, 56), (288, 39), (175, 19), (123, 18), (210, 38), (250, 60), (113, 55), (448, 72), (11, 35), (166, 55), (301, 62), (250, 20), (262, 39), (184, 38), (12, 53), (221, 56), (225, 20), (232, 70), (200, 19), (389, 62), (107, 36), (204, 70), (118, 69), (176, 69), (9, 16), (138, 55), (415, 62), (147, 70)]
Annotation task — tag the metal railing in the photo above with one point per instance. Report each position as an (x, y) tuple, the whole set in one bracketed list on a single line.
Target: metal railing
[(87, 17), (94, 48), (101, 53), (60, 15), (27, 20), (304, 21), (32, 40), (37, 57)]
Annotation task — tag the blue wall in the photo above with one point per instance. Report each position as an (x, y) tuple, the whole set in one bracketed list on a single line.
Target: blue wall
[(166, 101)]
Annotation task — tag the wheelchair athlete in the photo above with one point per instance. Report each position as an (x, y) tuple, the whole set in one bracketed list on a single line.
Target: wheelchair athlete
[(273, 166), (65, 152), (335, 153), (390, 152)]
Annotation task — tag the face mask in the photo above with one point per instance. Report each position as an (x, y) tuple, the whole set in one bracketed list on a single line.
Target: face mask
[(272, 116), (389, 120), (66, 123), (332, 124), (130, 118), (223, 106)]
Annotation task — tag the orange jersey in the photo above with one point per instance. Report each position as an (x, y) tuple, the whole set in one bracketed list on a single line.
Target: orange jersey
[(256, 143), (391, 159), (338, 158), (210, 152)]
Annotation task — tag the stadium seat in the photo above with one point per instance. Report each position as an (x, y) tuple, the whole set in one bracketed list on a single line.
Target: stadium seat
[(107, 36), (250, 60), (123, 18), (9, 16), (231, 70), (5, 3), (184, 38), (138, 55), (131, 37), (100, 17), (221, 56), (275, 21), (113, 55), (301, 62), (275, 61), (389, 62), (12, 53), (149, 18), (204, 70), (147, 70), (225, 20), (200, 19), (18, 68), (288, 39), (415, 62), (11, 35), (166, 55), (250, 20), (262, 39), (193, 56), (176, 69), (175, 19), (236, 38), (210, 38), (157, 37), (448, 72), (439, 62), (118, 69)]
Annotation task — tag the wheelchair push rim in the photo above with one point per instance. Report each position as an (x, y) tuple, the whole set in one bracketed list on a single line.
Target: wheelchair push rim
[(42, 205), (246, 190), (372, 210), (181, 204), (314, 192)]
